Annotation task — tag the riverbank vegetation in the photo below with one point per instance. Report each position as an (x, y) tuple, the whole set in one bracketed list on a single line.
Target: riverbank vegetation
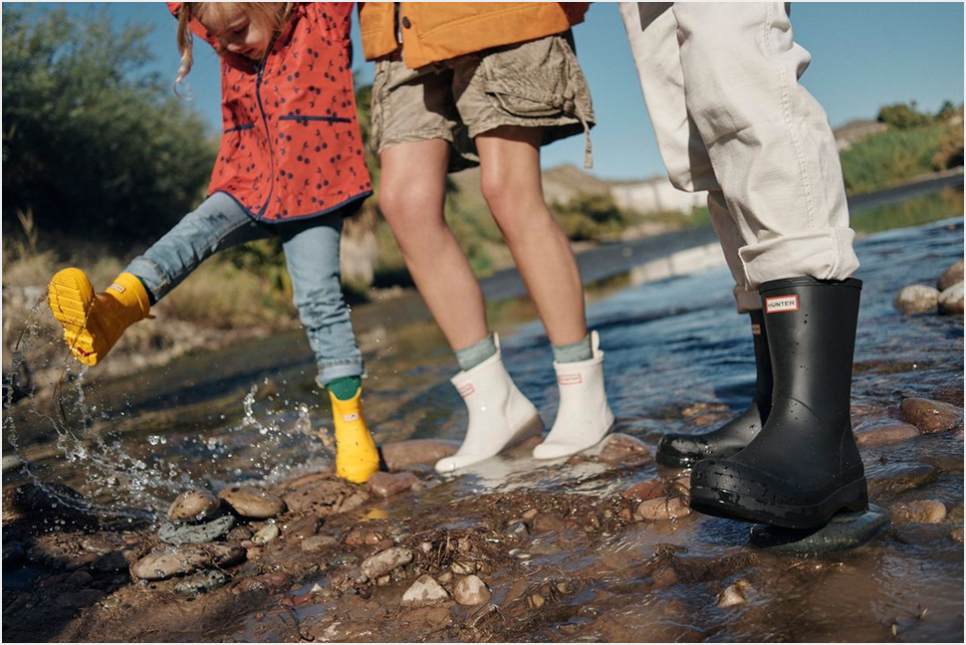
[(913, 144)]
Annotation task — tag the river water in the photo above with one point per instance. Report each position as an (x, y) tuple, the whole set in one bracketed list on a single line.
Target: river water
[(678, 359)]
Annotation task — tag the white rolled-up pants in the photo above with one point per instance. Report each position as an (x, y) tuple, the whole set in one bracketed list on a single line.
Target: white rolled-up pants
[(720, 82)]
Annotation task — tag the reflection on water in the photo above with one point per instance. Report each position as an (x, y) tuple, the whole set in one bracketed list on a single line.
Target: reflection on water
[(678, 359)]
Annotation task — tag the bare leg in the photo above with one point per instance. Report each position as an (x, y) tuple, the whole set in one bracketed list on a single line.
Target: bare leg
[(511, 184), (411, 196)]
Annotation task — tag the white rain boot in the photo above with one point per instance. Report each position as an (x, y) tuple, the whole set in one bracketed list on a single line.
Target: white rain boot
[(583, 418), (500, 415)]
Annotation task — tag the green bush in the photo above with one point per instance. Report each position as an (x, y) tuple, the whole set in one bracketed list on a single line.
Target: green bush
[(93, 145), (591, 216), (902, 116), (891, 157)]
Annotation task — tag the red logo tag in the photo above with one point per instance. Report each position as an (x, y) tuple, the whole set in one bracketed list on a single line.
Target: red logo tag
[(466, 390), (570, 379), (756, 329)]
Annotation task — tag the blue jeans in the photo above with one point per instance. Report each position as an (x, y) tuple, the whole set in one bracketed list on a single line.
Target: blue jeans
[(311, 253)]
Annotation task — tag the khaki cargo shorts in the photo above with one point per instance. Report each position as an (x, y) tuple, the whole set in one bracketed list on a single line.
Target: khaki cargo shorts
[(537, 84)]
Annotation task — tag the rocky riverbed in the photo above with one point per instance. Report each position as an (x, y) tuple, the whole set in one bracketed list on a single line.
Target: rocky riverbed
[(600, 547)]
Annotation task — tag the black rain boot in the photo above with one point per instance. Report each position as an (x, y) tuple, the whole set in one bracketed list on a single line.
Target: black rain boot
[(804, 465), (684, 450)]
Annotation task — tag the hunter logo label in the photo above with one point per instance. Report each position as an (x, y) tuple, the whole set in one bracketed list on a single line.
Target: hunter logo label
[(466, 390), (780, 304), (117, 287), (354, 416), (570, 379), (756, 329)]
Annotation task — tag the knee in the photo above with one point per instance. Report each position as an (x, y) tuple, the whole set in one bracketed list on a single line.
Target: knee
[(517, 205), (497, 190), (321, 305)]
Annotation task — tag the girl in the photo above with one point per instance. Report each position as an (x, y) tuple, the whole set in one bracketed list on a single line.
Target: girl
[(291, 165), (460, 84)]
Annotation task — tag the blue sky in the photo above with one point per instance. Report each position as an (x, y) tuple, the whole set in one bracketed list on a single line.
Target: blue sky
[(864, 55)]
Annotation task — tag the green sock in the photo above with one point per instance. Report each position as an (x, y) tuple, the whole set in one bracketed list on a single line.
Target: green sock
[(345, 387), (151, 300)]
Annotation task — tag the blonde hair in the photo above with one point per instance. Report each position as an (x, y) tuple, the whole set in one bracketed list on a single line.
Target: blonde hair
[(269, 15)]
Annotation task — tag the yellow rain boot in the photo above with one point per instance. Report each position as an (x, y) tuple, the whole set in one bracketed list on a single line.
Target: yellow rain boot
[(356, 457), (94, 321)]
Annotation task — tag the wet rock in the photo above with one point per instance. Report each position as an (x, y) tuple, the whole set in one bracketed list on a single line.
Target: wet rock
[(164, 565), (733, 595), (471, 591), (272, 582), (317, 543), (663, 508), (919, 512), (424, 591), (900, 479), (845, 531), (536, 601), (386, 561), (177, 561), (239, 534), (517, 530), (252, 502), (650, 489), (954, 513), (884, 432), (951, 300), (80, 599), (11, 463), (529, 514), (79, 579), (193, 506), (304, 528), (931, 416), (325, 497), (547, 522), (951, 276), (226, 555), (389, 484), (52, 503), (119, 560), (957, 534), (917, 299), (623, 449), (195, 533), (403, 454), (462, 568), (202, 582), (265, 534)]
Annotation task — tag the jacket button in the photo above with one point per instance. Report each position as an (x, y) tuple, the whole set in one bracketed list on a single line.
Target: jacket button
[(406, 23)]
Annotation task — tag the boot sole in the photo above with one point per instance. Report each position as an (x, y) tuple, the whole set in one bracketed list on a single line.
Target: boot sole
[(852, 496), (71, 296)]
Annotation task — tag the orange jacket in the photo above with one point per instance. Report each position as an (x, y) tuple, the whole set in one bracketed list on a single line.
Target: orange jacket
[(437, 31)]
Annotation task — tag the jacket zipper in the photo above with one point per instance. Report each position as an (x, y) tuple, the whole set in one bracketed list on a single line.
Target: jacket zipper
[(268, 133)]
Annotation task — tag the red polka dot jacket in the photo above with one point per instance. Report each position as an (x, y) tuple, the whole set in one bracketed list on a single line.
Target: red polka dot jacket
[(291, 147)]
